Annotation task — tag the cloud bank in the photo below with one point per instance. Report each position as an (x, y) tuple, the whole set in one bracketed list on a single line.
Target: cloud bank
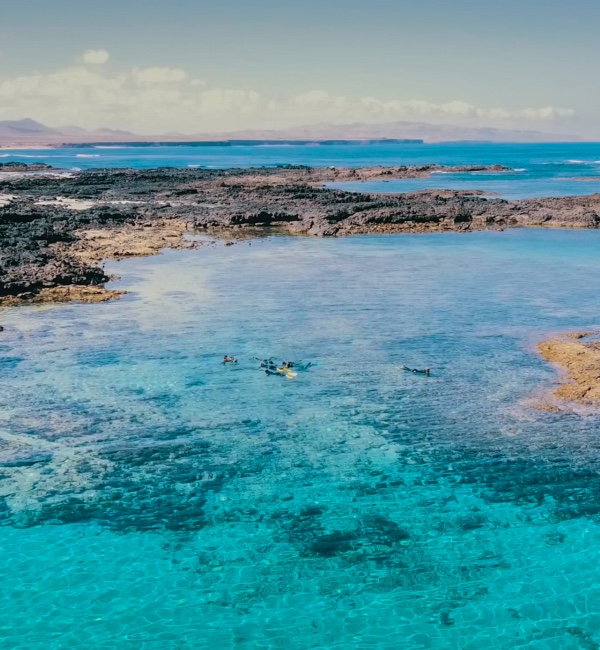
[(157, 99), (95, 57)]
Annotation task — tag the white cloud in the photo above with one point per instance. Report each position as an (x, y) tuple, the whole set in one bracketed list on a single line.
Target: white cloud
[(547, 113), (160, 98), (95, 57), (219, 99), (159, 75)]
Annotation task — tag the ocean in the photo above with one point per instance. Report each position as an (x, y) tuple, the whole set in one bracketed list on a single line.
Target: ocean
[(537, 169), (153, 497)]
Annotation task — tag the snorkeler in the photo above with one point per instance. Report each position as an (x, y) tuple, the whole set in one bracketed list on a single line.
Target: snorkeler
[(228, 359), (266, 363), (415, 371)]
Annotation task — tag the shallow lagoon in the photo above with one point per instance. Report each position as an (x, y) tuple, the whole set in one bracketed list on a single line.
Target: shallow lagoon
[(525, 184), (154, 498)]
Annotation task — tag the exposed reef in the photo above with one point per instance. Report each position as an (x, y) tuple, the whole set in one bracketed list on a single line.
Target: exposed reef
[(580, 363), (56, 227), (66, 293), (24, 167)]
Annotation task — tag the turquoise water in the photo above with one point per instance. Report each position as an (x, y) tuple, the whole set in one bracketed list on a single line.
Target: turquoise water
[(564, 180), (154, 498), (539, 169), (560, 157)]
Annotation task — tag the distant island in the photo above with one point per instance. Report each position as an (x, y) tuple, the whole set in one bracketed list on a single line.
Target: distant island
[(28, 133), (239, 143)]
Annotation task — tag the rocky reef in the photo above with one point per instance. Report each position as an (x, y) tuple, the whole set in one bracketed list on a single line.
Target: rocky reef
[(54, 225), (580, 362)]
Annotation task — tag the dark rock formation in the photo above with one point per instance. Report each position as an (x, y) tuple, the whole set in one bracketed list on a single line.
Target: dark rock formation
[(42, 215), (24, 167)]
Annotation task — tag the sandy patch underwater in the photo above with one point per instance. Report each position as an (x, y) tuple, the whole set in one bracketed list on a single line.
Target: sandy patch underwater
[(155, 498)]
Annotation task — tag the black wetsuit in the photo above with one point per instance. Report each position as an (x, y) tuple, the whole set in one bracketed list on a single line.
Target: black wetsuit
[(416, 371)]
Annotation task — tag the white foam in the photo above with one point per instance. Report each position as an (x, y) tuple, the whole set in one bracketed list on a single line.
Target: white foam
[(87, 155)]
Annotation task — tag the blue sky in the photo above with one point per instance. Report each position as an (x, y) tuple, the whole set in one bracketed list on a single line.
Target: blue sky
[(198, 65)]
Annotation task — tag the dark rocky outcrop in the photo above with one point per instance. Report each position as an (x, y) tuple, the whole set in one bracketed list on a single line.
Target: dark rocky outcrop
[(43, 215), (24, 167)]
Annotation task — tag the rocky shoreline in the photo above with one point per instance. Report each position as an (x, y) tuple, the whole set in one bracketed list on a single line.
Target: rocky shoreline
[(56, 227), (579, 359)]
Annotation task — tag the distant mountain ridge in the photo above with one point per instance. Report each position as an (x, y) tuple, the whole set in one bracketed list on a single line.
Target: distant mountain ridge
[(28, 132), (28, 128), (397, 131)]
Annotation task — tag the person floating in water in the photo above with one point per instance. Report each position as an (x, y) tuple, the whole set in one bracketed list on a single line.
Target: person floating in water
[(425, 371), (228, 359), (269, 364)]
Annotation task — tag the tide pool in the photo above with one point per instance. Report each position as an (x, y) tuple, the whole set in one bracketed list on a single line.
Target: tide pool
[(154, 498), (567, 181)]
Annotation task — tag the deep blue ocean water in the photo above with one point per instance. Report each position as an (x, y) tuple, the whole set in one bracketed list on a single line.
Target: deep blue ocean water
[(154, 498), (517, 156)]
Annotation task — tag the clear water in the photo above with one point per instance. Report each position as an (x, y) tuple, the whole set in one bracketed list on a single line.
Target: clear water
[(541, 169), (154, 498), (561, 180)]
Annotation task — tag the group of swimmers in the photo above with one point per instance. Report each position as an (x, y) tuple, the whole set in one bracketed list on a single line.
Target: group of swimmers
[(288, 368), (285, 369)]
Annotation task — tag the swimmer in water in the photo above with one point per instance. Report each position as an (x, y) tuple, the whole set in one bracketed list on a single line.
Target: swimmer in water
[(228, 359), (415, 371), (270, 372)]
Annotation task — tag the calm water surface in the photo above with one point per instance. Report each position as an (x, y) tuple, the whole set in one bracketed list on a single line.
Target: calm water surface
[(563, 180), (153, 498)]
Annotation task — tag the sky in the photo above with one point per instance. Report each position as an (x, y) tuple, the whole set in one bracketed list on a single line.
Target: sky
[(195, 66)]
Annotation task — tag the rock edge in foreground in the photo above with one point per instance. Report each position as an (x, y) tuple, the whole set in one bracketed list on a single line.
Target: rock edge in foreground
[(580, 363)]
